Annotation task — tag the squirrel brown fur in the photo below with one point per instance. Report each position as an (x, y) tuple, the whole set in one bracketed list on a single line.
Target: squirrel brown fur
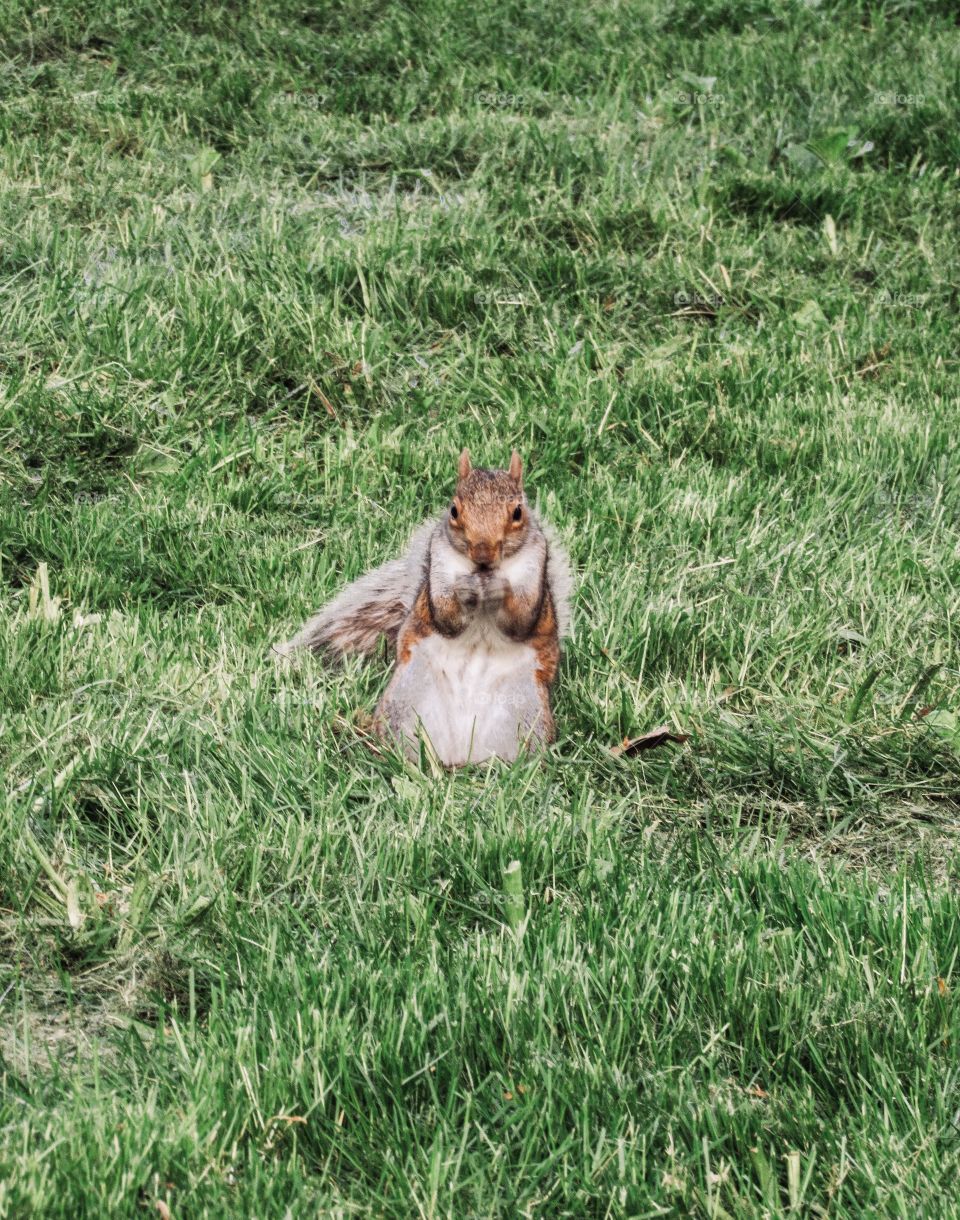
[(476, 608)]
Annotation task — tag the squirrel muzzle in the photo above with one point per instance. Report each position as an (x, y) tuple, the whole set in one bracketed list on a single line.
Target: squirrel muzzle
[(484, 555)]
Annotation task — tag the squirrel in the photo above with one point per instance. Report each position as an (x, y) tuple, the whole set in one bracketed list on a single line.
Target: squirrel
[(475, 609)]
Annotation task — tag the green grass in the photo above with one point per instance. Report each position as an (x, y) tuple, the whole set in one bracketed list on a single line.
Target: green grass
[(262, 274)]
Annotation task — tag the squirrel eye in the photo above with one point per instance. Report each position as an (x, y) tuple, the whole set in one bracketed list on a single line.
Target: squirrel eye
[(518, 513), (453, 512)]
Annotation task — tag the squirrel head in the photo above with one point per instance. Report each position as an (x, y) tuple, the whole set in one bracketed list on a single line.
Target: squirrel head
[(488, 518)]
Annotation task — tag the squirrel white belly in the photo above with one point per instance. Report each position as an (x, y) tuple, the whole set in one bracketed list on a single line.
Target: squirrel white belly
[(474, 697), (476, 608)]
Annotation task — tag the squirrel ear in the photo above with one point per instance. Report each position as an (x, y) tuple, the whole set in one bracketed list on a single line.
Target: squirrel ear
[(516, 467), (464, 468)]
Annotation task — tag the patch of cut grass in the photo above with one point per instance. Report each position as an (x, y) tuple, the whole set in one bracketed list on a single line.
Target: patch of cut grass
[(262, 274)]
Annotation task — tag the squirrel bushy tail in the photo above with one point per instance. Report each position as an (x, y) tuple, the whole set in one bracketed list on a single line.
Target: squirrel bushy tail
[(559, 579), (372, 606)]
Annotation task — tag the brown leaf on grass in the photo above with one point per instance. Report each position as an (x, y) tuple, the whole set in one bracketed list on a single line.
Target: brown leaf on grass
[(870, 366), (359, 724), (362, 369), (649, 741), (163, 1210), (327, 404)]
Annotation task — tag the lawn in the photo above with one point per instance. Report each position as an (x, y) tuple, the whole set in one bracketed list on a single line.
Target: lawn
[(264, 270)]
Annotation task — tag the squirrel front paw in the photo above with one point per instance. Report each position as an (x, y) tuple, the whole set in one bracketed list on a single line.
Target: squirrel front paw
[(468, 591), (495, 589), (480, 588)]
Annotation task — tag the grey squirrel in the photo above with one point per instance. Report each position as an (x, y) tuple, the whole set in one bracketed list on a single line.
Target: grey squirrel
[(475, 608)]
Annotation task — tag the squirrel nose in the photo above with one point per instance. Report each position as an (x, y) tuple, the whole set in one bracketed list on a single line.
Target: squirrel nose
[(483, 558)]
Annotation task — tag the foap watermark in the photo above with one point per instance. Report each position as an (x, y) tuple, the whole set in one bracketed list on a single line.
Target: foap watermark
[(108, 267), (892, 98), (697, 300), (420, 377), (499, 298), (357, 212), (112, 99), (304, 100), (100, 267), (95, 497), (697, 97), (497, 100), (901, 300), (417, 375), (690, 90)]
